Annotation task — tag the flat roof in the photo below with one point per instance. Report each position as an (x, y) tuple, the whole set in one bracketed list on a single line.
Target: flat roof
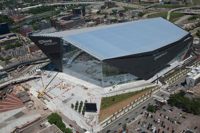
[(116, 40), (90, 107)]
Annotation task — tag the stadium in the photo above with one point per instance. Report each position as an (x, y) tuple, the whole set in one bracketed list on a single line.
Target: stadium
[(117, 53)]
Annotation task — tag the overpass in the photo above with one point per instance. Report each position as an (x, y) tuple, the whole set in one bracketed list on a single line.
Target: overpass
[(191, 12), (17, 80), (61, 4), (180, 8), (29, 62)]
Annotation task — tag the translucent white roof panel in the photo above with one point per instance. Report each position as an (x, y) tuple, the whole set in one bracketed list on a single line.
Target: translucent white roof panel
[(124, 39)]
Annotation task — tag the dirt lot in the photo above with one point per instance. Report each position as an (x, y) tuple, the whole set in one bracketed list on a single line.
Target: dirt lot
[(196, 90), (106, 112)]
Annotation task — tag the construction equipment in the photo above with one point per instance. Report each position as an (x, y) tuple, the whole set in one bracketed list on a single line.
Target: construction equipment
[(42, 92)]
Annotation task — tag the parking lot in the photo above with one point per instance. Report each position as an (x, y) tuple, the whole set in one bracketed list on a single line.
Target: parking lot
[(166, 120)]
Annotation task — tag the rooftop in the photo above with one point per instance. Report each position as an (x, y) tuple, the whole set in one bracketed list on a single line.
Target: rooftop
[(112, 41), (51, 129), (90, 107)]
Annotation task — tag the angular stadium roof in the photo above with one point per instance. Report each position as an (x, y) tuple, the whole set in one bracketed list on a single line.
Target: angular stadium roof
[(112, 41)]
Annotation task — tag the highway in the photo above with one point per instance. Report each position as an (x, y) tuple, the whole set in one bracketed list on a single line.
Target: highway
[(130, 5), (180, 8), (28, 62), (95, 2), (60, 4), (182, 19), (18, 80)]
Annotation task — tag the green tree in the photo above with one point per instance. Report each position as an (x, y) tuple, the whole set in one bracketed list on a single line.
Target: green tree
[(198, 33), (54, 118), (69, 130), (179, 100), (151, 108), (83, 110), (76, 105), (72, 105), (12, 45), (5, 19), (80, 106)]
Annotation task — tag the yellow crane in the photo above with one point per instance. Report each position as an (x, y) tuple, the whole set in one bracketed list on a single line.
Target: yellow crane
[(42, 92)]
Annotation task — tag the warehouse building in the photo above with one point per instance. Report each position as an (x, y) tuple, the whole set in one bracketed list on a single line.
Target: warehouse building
[(193, 77)]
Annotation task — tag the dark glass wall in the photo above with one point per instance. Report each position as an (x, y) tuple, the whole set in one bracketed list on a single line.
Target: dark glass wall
[(4, 28), (146, 65), (52, 47)]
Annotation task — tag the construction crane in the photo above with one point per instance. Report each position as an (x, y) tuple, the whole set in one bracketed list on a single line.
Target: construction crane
[(42, 92)]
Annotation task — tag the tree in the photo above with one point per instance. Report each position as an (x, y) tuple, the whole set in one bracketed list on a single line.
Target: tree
[(80, 106), (198, 33), (13, 45), (151, 108), (72, 105), (81, 103), (83, 110), (54, 118), (188, 105), (76, 105), (69, 130), (5, 19)]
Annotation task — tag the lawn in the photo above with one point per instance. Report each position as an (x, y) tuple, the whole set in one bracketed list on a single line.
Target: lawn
[(110, 105), (196, 2), (160, 14), (169, 6), (174, 16), (194, 17), (109, 101)]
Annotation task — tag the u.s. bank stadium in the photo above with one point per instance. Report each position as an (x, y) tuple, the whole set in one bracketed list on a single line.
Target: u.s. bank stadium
[(117, 53)]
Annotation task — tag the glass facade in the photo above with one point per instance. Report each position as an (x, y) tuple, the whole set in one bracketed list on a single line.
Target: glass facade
[(112, 75), (71, 60), (86, 67)]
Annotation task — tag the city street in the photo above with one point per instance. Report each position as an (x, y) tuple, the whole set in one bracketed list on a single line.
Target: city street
[(127, 118)]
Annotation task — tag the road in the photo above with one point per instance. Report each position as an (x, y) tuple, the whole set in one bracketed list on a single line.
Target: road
[(130, 5), (127, 118), (194, 31), (35, 127), (162, 94), (60, 4), (17, 80), (148, 14), (180, 8), (26, 62), (182, 19), (173, 10)]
